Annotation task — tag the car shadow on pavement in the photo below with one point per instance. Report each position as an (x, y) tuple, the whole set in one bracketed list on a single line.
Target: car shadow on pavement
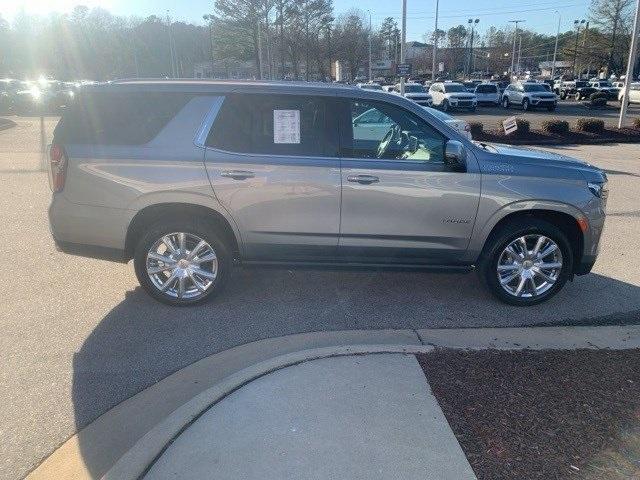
[(140, 341)]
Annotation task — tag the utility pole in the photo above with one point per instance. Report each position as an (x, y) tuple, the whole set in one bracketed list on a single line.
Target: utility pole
[(577, 24), (404, 40), (210, 19), (515, 35), (555, 50), (633, 51), (435, 45), (370, 33), (171, 53), (519, 69)]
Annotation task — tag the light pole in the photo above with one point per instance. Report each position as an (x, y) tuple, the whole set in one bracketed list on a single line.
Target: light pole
[(515, 35), (370, 32), (435, 45), (403, 41), (210, 19), (577, 24), (473, 24), (555, 50), (633, 50)]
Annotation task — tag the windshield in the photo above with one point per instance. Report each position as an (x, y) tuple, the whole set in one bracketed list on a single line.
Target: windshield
[(534, 87), (606, 84), (486, 89), (415, 88), (454, 87)]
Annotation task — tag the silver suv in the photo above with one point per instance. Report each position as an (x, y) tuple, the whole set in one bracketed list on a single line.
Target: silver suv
[(529, 95), (189, 178)]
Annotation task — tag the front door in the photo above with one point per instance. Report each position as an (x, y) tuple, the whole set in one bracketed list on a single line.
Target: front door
[(400, 202), (272, 161)]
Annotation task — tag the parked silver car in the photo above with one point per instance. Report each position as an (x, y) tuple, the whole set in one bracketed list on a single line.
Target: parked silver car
[(189, 178), (528, 95)]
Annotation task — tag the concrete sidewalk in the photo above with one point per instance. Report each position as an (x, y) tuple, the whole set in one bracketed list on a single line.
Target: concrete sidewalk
[(358, 417)]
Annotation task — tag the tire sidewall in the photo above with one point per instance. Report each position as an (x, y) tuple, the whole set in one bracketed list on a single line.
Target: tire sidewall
[(198, 228), (497, 243)]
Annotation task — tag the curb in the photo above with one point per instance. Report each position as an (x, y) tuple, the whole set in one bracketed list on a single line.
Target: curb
[(137, 461), (115, 436), (6, 124)]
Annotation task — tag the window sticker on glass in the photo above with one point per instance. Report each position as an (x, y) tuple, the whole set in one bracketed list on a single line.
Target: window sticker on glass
[(286, 126)]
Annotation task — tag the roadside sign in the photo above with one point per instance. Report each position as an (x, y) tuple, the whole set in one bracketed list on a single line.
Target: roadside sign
[(403, 69), (510, 125)]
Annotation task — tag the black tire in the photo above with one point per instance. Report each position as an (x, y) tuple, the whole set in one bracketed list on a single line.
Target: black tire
[(499, 240), (505, 102), (563, 95), (525, 104), (198, 227), (472, 109)]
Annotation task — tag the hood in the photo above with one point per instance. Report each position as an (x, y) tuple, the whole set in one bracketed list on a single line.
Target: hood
[(540, 158)]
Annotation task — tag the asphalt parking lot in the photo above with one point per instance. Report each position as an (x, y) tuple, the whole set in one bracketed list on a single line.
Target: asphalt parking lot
[(80, 336), (568, 110)]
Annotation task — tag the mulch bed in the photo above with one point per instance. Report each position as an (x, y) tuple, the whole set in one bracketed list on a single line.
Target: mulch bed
[(542, 414), (539, 137)]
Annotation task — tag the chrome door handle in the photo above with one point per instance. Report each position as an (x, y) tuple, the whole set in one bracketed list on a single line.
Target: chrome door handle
[(363, 179), (237, 174)]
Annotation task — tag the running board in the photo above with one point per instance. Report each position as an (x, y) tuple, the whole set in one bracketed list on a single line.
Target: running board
[(360, 266)]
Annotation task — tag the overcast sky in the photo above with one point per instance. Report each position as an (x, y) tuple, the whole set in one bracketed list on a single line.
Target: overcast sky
[(540, 16)]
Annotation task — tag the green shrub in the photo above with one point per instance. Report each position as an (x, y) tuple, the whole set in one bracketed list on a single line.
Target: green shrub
[(636, 123), (591, 125), (476, 128), (598, 99), (555, 126)]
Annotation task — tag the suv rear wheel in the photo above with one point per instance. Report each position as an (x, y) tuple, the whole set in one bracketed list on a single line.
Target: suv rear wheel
[(181, 262), (526, 262)]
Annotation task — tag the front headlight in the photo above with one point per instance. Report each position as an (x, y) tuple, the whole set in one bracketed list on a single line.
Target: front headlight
[(598, 189)]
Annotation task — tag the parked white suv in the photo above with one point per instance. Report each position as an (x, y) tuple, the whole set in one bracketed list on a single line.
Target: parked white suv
[(415, 92), (529, 95), (634, 93), (448, 95)]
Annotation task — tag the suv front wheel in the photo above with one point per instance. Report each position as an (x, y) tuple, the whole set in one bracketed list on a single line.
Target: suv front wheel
[(526, 262), (181, 262)]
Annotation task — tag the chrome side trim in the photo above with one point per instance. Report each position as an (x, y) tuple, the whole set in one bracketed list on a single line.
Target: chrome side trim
[(207, 122)]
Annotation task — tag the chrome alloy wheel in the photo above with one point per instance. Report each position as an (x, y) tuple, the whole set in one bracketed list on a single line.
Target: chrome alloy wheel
[(529, 266), (182, 265)]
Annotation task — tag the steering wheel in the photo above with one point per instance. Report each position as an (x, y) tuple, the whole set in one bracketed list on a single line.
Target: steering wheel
[(393, 135)]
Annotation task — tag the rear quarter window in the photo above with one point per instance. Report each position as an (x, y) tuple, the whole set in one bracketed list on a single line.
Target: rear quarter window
[(118, 118)]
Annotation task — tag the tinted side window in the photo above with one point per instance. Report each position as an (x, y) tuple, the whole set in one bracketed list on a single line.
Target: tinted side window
[(118, 118), (273, 124)]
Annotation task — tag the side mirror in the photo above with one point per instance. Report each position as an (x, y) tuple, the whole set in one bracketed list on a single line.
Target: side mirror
[(455, 155)]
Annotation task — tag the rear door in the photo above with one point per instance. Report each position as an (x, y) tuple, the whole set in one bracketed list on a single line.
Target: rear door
[(272, 161), (400, 202)]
